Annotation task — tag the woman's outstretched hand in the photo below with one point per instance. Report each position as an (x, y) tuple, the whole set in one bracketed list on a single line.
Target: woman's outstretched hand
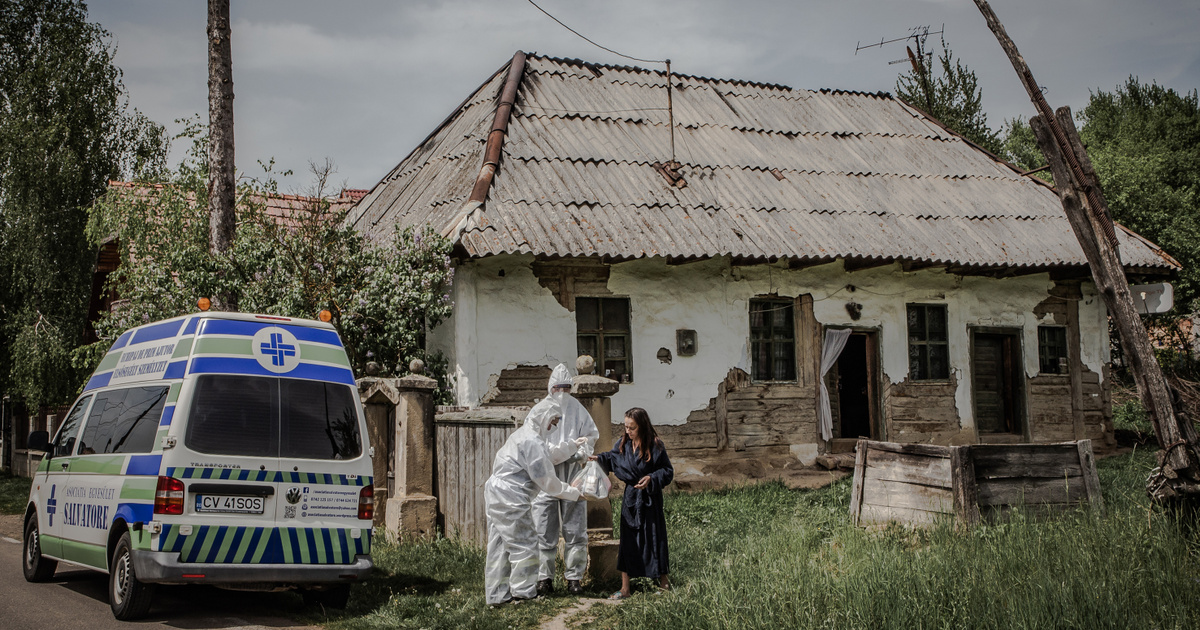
[(592, 458)]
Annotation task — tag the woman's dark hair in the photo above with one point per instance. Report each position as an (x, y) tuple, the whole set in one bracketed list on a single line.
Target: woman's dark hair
[(645, 431)]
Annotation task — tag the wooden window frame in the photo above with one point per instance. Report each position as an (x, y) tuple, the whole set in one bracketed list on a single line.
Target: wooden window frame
[(604, 333), (926, 342), (1044, 348), (772, 339)]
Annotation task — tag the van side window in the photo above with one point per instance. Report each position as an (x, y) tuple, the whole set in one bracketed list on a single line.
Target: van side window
[(123, 421), (320, 421), (234, 415), (137, 425), (64, 444)]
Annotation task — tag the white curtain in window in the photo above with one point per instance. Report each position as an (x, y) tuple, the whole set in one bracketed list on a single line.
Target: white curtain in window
[(835, 342)]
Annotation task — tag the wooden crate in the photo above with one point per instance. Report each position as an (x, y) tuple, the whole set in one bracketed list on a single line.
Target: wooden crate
[(919, 484)]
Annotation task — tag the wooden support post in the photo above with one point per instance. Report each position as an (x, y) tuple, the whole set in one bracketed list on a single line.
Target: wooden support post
[(1075, 369), (1083, 201)]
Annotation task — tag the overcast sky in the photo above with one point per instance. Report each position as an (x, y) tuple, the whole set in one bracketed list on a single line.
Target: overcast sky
[(360, 82)]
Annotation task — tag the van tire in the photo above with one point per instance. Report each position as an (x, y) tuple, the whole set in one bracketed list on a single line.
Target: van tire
[(37, 568), (128, 596), (333, 597)]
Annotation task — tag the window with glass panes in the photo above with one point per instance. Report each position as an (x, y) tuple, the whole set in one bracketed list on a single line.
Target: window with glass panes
[(1052, 349), (928, 347), (772, 340), (602, 328)]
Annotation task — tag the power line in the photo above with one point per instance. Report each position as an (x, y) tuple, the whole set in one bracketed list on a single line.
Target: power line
[(582, 36)]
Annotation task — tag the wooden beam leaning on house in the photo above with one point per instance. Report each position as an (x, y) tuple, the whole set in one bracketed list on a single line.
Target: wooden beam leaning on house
[(1079, 189)]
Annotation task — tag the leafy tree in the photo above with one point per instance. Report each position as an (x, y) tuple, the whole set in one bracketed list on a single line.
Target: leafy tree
[(1021, 148), (952, 96), (1144, 140), (65, 130), (292, 262)]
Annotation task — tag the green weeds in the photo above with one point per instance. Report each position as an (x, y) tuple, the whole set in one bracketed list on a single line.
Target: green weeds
[(768, 557), (14, 493)]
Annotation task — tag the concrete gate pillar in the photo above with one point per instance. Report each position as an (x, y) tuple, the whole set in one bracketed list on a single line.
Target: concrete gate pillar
[(410, 509), (595, 393)]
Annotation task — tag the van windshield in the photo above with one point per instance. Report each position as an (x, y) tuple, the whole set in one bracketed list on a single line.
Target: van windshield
[(273, 417)]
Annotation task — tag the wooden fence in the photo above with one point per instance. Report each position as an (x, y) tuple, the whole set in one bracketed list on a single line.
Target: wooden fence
[(920, 484), (467, 442)]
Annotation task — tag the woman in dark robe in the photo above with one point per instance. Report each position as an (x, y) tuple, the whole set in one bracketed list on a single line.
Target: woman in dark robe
[(640, 461)]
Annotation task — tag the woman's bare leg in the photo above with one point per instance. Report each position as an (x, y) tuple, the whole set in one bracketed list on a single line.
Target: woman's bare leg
[(664, 582), (625, 588)]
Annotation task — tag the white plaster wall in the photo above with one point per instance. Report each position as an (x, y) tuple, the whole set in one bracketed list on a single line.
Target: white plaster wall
[(501, 321)]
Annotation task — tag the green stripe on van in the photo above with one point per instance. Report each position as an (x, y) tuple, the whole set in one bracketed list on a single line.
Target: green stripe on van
[(140, 539), (173, 395), (324, 354), (84, 553), (139, 488), (209, 537), (167, 542), (183, 348), (220, 345), (110, 361), (244, 545), (264, 541), (101, 464)]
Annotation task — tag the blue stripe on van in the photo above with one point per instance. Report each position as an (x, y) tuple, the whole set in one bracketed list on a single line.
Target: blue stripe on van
[(168, 414), (145, 465), (176, 369), (191, 326), (121, 341), (135, 512), (155, 332), (308, 371), (97, 381), (248, 329)]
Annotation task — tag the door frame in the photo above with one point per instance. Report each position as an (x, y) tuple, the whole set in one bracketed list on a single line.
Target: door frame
[(1020, 386), (878, 427)]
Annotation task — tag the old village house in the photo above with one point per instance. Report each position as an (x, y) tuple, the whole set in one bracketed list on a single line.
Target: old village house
[(801, 238)]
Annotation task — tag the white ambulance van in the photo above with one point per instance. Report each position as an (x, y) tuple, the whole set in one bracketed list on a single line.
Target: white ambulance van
[(217, 448)]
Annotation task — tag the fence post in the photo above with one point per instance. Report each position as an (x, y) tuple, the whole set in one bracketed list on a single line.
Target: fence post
[(379, 399), (412, 508), (595, 393)]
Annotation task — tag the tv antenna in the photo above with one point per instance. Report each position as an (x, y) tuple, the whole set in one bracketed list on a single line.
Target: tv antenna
[(921, 59)]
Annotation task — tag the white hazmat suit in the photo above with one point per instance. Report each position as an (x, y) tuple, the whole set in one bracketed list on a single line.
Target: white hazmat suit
[(522, 467), (552, 515)]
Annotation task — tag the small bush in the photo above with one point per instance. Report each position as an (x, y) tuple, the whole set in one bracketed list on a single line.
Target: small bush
[(14, 493)]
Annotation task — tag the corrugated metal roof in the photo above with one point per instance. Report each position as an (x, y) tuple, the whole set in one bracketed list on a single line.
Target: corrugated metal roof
[(772, 172)]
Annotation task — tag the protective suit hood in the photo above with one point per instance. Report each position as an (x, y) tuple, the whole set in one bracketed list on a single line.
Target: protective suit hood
[(560, 376), (539, 418)]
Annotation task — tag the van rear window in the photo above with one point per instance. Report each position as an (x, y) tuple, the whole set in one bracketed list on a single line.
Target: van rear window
[(273, 417)]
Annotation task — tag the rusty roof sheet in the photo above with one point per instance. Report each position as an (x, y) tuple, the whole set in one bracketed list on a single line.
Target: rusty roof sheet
[(771, 172)]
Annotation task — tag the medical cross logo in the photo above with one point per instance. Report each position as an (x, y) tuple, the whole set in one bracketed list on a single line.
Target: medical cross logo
[(51, 505), (276, 349)]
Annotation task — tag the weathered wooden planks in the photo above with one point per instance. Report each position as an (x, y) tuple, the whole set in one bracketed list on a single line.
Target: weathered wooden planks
[(466, 445), (919, 483)]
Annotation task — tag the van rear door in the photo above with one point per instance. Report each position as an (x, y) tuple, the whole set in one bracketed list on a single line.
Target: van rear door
[(322, 453)]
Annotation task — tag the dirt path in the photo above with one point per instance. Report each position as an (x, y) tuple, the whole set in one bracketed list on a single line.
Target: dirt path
[(562, 621)]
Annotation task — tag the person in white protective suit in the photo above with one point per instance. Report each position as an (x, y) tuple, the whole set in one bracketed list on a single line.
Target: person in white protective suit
[(523, 466), (554, 516)]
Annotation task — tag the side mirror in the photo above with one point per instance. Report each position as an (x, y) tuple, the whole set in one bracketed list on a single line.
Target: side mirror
[(38, 441)]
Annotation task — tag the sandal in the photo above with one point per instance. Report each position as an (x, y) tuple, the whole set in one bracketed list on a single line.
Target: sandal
[(618, 596)]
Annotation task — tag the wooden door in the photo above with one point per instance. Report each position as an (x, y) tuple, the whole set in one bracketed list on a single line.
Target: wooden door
[(994, 383)]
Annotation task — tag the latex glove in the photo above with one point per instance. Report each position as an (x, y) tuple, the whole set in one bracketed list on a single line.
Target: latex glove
[(580, 441), (571, 494)]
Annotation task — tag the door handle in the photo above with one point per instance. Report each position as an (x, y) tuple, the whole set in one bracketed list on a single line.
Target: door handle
[(65, 464)]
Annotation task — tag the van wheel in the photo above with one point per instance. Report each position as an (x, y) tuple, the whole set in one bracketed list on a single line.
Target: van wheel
[(332, 597), (36, 567), (128, 596)]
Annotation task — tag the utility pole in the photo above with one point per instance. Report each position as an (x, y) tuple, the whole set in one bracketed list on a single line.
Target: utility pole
[(222, 221), (1178, 473)]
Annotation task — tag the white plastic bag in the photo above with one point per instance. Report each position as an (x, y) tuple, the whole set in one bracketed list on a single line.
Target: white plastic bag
[(592, 482)]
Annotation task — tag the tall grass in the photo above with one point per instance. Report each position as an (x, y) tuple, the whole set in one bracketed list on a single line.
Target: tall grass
[(1136, 566), (769, 557)]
